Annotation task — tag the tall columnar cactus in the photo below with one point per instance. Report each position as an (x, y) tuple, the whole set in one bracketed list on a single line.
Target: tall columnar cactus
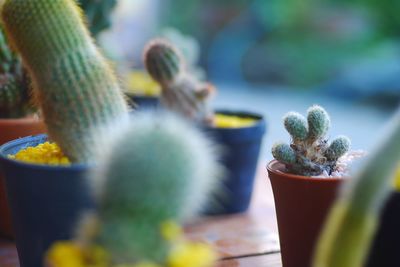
[(181, 92), (157, 169), (98, 14), (309, 153), (352, 222), (14, 91), (74, 85)]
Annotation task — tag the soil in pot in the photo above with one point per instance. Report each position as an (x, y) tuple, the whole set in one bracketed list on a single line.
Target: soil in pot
[(301, 203), (46, 201), (240, 136), (11, 129)]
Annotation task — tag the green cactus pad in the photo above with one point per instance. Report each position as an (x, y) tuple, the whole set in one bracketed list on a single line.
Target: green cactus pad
[(318, 122), (163, 62), (296, 125), (338, 148), (158, 168), (74, 85), (284, 153)]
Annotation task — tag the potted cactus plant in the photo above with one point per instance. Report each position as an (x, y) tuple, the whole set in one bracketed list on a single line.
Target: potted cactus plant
[(156, 172), (239, 133), (17, 115), (305, 176), (77, 92)]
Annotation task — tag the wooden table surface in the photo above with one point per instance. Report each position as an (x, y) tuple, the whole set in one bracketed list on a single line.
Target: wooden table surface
[(242, 240)]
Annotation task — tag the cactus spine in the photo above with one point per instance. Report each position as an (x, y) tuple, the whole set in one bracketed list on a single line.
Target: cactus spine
[(14, 91), (73, 83), (160, 169), (98, 14), (181, 92), (352, 222), (310, 154)]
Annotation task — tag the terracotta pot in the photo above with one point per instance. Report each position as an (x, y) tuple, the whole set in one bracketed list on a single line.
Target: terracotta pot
[(302, 204), (11, 129)]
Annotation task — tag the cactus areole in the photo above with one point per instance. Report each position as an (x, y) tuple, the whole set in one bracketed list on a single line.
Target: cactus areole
[(310, 153)]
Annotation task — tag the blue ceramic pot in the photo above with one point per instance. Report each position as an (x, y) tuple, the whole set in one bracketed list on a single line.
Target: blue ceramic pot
[(45, 201), (241, 151), (144, 102), (385, 249)]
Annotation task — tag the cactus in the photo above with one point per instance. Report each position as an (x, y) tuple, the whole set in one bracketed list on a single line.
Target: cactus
[(98, 14), (14, 91), (73, 84), (181, 92), (157, 169), (310, 154), (352, 222)]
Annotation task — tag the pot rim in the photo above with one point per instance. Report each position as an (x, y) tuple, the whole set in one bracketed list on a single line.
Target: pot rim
[(272, 168), (22, 164)]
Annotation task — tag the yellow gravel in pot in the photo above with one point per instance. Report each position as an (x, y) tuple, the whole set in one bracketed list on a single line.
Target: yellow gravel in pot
[(140, 83), (230, 121), (46, 153)]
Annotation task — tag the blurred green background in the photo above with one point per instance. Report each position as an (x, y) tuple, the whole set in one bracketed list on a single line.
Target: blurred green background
[(344, 48)]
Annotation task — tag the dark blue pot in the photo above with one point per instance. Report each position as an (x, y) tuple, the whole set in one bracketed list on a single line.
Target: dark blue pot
[(241, 151), (385, 249), (46, 201), (144, 102)]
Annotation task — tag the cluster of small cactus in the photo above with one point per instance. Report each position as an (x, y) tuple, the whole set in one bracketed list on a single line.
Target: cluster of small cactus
[(181, 92), (353, 220), (310, 154), (14, 90), (72, 82), (98, 14), (156, 169)]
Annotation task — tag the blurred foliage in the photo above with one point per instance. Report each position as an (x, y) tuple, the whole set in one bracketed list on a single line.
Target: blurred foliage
[(304, 42)]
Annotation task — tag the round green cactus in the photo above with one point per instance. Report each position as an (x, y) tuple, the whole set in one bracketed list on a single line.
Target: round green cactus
[(158, 168), (181, 92), (296, 125), (74, 85), (309, 154)]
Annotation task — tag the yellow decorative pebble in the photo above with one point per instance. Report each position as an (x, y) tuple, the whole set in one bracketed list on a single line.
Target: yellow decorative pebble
[(46, 153), (397, 180), (65, 254), (193, 255), (140, 83), (230, 121), (171, 231)]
